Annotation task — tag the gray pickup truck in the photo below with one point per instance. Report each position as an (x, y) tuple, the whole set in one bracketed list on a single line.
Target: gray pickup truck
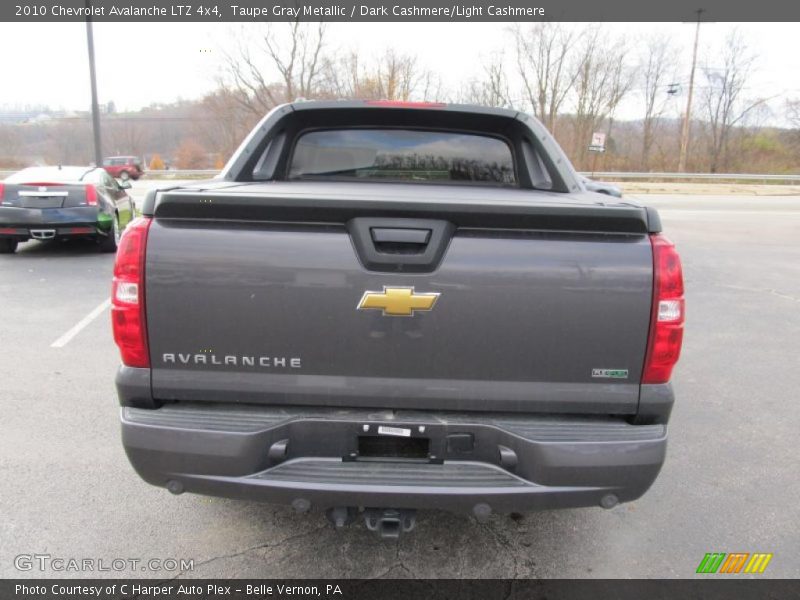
[(384, 306)]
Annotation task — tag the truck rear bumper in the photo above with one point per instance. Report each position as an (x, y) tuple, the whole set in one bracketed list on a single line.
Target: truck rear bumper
[(313, 457)]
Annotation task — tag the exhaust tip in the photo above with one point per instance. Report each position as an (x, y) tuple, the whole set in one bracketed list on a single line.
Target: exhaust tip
[(175, 487), (341, 516), (609, 501), (482, 512), (301, 505)]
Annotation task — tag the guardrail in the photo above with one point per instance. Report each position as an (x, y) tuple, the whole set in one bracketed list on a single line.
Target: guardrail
[(169, 174), (604, 175), (711, 177), (601, 175), (181, 174)]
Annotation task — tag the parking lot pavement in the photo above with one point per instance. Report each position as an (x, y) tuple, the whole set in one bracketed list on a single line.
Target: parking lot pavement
[(730, 484)]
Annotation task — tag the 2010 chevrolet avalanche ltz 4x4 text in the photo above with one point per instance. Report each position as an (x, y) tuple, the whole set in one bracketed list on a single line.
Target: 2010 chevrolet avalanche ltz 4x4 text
[(393, 306)]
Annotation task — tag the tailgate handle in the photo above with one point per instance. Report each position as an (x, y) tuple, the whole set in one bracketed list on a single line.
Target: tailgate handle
[(400, 244), (386, 235)]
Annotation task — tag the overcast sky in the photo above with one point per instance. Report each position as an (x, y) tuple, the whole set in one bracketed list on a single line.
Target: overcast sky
[(138, 63)]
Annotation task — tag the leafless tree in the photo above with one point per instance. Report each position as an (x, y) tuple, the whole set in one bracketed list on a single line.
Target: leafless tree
[(793, 117), (655, 73), (723, 97), (392, 76), (123, 135), (70, 142), (793, 112), (343, 74), (293, 51), (396, 76), (191, 155), (430, 88), (11, 145), (220, 122), (602, 80), (542, 52), (490, 90)]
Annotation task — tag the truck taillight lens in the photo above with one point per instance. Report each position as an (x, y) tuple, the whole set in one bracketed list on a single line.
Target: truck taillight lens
[(668, 313), (91, 195), (2, 191), (127, 295)]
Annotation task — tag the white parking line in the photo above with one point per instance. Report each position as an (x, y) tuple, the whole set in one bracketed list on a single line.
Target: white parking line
[(67, 337)]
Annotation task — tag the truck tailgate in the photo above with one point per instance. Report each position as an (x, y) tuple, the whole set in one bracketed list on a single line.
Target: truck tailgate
[(265, 311)]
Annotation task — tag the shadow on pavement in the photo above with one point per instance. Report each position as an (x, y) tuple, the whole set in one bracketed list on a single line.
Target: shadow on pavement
[(56, 248), (276, 542)]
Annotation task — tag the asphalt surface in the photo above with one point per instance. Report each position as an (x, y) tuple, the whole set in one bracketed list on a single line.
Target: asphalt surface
[(730, 483)]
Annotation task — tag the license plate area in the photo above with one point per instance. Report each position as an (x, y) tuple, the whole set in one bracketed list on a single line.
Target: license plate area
[(372, 447), (42, 202), (393, 441)]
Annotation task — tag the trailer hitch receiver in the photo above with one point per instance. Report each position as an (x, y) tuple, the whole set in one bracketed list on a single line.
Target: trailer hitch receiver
[(390, 523)]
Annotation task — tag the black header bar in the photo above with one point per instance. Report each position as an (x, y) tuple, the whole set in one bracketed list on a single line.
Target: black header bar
[(391, 589), (188, 11)]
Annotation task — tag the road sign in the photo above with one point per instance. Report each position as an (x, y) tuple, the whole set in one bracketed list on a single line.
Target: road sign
[(598, 143)]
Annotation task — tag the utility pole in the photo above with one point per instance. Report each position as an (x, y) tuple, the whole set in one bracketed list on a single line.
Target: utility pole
[(688, 115), (98, 155)]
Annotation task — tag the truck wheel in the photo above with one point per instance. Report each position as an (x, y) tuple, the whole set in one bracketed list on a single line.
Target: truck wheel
[(8, 246), (110, 241), (124, 175)]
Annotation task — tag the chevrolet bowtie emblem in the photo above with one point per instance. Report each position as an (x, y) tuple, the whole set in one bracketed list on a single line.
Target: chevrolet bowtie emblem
[(397, 301)]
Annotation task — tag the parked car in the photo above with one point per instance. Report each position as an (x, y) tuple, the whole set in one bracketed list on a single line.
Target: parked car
[(124, 167), (403, 306), (601, 187), (44, 203)]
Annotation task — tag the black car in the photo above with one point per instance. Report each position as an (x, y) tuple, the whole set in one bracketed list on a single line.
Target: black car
[(46, 203)]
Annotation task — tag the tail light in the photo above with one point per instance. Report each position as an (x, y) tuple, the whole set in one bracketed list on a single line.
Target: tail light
[(2, 191), (668, 312), (127, 295), (91, 195)]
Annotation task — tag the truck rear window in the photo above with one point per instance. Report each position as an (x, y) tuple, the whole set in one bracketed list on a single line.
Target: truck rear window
[(402, 155)]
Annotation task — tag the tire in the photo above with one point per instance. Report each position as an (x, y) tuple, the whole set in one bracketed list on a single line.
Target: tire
[(124, 175), (8, 246), (109, 242)]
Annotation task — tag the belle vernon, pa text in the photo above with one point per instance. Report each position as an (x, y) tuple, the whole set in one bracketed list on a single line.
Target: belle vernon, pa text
[(155, 591)]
